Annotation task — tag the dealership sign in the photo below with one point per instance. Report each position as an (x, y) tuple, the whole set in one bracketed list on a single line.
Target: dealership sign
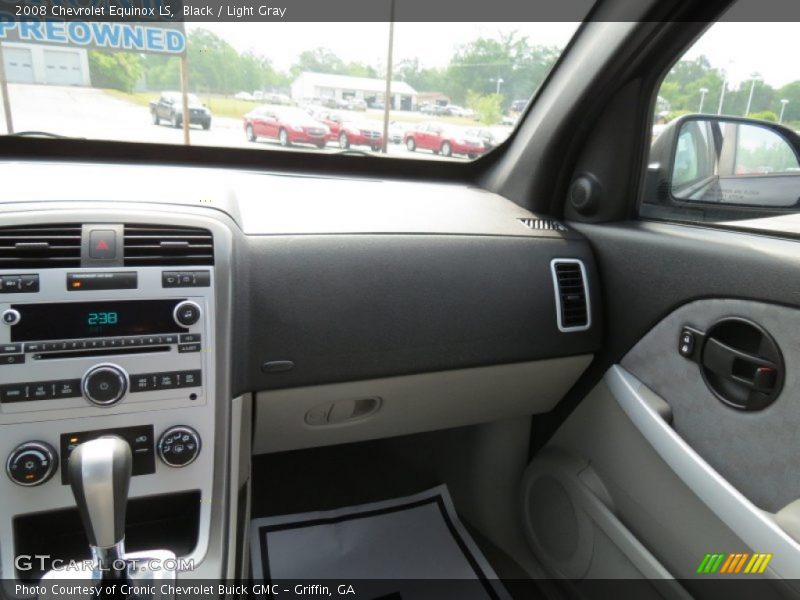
[(134, 37), (148, 26)]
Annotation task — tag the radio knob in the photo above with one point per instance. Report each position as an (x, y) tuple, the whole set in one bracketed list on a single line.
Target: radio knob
[(32, 463), (11, 316), (105, 385), (186, 313), (179, 446)]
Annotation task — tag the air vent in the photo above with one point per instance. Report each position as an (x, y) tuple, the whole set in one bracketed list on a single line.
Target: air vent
[(573, 311), (40, 246), (161, 245), (543, 224)]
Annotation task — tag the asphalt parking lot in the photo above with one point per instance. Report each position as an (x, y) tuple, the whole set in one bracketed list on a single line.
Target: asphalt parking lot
[(94, 114)]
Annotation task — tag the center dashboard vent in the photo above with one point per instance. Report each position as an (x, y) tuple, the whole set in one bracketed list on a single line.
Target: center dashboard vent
[(164, 245), (40, 246), (573, 311)]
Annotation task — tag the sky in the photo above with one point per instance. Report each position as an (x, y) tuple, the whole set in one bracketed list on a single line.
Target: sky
[(741, 49)]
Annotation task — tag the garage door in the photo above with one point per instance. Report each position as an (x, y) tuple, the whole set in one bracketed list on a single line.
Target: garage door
[(62, 67), (19, 65)]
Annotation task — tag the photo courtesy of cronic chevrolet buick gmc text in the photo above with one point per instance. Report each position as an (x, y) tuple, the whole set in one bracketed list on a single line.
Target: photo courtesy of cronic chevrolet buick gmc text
[(453, 301)]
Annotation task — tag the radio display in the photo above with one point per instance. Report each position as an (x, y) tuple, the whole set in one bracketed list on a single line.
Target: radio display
[(74, 320)]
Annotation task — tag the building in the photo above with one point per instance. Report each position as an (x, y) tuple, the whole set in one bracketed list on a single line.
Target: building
[(47, 64), (345, 87), (437, 98)]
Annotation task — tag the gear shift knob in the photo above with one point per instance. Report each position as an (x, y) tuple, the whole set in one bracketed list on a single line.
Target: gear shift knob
[(100, 475)]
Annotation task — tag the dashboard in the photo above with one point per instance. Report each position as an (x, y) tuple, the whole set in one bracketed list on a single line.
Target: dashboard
[(146, 302)]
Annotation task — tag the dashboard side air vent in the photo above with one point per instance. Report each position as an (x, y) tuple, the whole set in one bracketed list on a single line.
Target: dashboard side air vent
[(543, 224), (165, 245), (573, 311), (40, 246)]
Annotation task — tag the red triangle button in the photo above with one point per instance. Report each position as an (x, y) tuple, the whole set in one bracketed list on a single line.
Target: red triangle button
[(102, 245)]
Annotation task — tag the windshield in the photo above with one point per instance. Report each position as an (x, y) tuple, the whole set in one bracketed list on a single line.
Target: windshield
[(456, 90)]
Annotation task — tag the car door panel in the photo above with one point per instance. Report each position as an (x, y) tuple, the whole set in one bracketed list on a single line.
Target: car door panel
[(683, 472), (756, 451)]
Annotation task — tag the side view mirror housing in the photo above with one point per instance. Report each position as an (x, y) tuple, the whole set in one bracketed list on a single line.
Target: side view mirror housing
[(711, 159)]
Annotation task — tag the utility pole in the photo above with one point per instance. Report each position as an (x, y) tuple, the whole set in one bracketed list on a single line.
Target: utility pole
[(784, 102), (750, 97), (187, 117), (4, 92), (703, 92), (387, 97)]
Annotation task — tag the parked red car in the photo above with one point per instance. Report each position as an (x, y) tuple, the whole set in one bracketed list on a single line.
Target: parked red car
[(332, 120), (360, 133), (442, 139), (287, 125)]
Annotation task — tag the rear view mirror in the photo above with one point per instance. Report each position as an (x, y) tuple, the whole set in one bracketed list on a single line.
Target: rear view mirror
[(725, 160)]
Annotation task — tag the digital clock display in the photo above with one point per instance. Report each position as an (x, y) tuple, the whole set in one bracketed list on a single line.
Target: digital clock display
[(76, 320)]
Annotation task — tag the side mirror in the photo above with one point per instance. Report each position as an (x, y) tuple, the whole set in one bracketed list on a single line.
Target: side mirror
[(725, 161)]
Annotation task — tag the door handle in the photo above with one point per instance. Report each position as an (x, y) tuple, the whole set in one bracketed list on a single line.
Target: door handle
[(742, 367), (739, 360)]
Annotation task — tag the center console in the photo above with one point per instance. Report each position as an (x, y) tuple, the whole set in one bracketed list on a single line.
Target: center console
[(109, 329)]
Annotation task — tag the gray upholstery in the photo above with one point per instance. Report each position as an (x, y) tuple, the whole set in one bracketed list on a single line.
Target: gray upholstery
[(758, 452)]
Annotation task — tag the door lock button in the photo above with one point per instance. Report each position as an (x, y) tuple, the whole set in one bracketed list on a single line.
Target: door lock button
[(687, 343)]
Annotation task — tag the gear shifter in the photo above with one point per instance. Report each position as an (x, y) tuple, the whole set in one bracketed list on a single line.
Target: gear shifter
[(100, 475)]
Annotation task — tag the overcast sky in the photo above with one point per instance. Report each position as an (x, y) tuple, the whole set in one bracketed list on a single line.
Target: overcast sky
[(772, 49)]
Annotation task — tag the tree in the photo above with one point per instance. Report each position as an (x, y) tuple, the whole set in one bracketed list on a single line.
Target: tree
[(479, 65), (115, 70), (420, 78), (322, 60), (488, 108)]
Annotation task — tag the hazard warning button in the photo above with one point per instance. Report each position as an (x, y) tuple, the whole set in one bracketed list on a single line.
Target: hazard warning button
[(103, 244)]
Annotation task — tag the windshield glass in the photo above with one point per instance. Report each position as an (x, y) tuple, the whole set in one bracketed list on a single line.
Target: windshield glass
[(456, 90)]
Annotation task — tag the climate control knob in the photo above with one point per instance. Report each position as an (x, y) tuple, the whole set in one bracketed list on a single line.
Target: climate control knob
[(179, 446), (32, 463), (105, 385), (186, 313)]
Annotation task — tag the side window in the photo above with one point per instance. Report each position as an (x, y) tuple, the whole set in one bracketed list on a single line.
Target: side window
[(725, 140)]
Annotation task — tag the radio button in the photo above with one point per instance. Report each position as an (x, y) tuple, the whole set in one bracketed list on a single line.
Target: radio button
[(169, 279), (104, 385), (11, 284), (13, 392), (10, 348), (30, 283), (187, 313), (12, 359), (189, 378), (141, 383), (69, 388)]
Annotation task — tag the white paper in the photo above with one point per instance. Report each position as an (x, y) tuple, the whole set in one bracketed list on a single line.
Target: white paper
[(412, 538)]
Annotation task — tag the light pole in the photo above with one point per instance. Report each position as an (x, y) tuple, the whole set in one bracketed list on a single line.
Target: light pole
[(752, 89), (784, 102), (703, 92), (499, 83)]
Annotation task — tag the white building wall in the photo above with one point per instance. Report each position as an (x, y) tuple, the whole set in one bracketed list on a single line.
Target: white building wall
[(39, 61)]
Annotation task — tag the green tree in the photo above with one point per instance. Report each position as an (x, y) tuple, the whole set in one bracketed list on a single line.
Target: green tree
[(488, 107), (322, 60), (480, 65), (115, 70), (420, 78)]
